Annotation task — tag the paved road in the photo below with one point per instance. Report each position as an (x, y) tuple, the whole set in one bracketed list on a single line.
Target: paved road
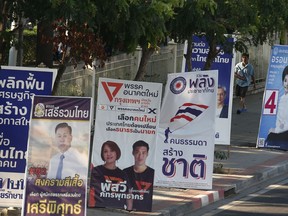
[(247, 122), (271, 201), (268, 198)]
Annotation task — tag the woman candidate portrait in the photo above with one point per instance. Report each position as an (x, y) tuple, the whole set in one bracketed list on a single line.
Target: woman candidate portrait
[(109, 185)]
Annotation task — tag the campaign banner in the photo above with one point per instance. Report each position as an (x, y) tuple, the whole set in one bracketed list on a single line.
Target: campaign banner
[(185, 141), (17, 87), (273, 128), (58, 152), (127, 118), (224, 63)]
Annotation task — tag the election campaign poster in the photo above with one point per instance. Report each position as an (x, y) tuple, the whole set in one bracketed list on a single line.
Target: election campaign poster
[(273, 128), (224, 63), (127, 118), (185, 141), (58, 156), (17, 87)]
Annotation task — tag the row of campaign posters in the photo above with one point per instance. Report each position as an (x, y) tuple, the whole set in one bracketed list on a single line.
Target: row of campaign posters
[(127, 117), (138, 143), (140, 140)]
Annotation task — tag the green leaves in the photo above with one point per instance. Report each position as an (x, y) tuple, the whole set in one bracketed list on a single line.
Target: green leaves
[(122, 25)]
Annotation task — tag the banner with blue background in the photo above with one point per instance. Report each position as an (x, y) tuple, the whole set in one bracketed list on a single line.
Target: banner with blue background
[(17, 87), (273, 128)]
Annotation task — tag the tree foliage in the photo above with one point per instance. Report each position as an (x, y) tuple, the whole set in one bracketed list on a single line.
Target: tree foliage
[(249, 21), (79, 43), (146, 27), (92, 29), (6, 8), (134, 23), (72, 24), (272, 19)]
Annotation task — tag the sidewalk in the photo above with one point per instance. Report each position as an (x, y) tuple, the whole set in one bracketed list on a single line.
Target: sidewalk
[(246, 166)]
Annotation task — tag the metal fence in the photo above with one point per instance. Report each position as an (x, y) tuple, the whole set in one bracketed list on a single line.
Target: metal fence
[(79, 81)]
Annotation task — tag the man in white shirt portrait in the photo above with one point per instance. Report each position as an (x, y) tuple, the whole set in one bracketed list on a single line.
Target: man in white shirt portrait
[(68, 161)]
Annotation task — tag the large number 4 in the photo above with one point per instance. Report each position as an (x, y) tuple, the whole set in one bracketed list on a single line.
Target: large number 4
[(271, 103)]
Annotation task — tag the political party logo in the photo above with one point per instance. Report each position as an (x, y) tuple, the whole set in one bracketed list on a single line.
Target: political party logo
[(143, 186), (185, 115), (111, 89), (178, 85), (39, 110)]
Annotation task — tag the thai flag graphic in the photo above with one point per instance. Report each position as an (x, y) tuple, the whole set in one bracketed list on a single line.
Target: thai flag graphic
[(186, 114)]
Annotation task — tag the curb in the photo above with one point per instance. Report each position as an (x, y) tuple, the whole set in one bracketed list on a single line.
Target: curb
[(188, 203), (244, 178), (276, 170), (204, 200)]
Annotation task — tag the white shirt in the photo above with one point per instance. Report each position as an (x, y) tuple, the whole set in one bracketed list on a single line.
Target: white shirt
[(282, 115), (218, 112), (246, 71), (73, 163)]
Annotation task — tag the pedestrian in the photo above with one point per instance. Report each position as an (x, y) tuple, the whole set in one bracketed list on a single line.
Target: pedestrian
[(244, 74)]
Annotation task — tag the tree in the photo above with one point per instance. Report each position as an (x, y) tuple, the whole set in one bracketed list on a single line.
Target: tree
[(135, 23), (189, 20), (225, 22), (248, 20), (79, 44), (6, 8), (272, 19), (70, 23), (146, 28), (91, 29), (124, 25)]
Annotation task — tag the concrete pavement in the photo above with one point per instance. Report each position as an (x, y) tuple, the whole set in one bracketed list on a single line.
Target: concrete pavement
[(245, 167)]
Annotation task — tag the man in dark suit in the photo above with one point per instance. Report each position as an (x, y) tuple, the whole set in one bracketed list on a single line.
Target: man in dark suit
[(222, 108)]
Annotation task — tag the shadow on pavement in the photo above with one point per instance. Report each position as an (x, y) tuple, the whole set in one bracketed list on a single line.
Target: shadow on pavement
[(245, 126)]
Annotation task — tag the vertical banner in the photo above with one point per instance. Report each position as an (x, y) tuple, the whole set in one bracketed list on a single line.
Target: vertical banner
[(224, 63), (185, 141), (273, 128), (17, 86), (58, 152), (126, 124)]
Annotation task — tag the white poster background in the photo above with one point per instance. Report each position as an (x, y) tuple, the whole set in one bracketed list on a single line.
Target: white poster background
[(185, 154), (126, 111)]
